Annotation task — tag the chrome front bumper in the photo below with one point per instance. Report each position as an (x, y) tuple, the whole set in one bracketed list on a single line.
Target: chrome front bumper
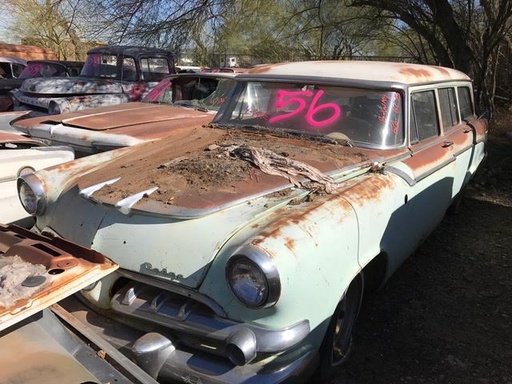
[(170, 362)]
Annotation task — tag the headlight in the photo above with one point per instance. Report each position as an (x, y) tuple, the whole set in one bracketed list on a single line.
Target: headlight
[(31, 194), (253, 277)]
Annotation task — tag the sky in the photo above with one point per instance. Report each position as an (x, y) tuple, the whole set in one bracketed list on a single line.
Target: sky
[(5, 36)]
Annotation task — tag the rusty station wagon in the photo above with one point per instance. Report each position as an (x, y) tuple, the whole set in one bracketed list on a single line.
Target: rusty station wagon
[(245, 246)]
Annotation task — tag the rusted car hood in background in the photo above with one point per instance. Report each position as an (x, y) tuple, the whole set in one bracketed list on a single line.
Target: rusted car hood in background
[(71, 86), (142, 121), (205, 169), (117, 116), (16, 138), (36, 271)]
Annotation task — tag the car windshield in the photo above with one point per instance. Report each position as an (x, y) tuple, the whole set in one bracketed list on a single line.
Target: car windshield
[(366, 117), (37, 69), (191, 91), (101, 65)]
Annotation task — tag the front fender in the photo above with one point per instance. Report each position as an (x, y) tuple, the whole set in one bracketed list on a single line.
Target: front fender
[(314, 247)]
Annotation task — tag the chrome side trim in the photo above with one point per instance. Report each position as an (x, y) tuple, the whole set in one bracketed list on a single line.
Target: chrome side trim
[(409, 180)]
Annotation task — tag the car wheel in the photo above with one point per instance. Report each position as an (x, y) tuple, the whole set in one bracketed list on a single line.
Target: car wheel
[(337, 342)]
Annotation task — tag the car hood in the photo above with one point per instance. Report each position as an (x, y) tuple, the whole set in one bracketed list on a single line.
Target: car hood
[(205, 169), (37, 271), (136, 114), (17, 138), (71, 86), (114, 126)]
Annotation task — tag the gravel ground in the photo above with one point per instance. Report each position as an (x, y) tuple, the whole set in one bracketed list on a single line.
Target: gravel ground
[(444, 317)]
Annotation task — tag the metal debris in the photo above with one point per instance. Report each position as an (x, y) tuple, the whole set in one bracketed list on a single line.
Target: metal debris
[(274, 164)]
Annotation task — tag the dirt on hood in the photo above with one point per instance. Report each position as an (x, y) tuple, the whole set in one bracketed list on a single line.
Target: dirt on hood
[(206, 166)]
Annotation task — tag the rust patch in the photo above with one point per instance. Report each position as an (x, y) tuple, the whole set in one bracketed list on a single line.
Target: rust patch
[(415, 73), (265, 68), (12, 137), (193, 169), (289, 243), (299, 217)]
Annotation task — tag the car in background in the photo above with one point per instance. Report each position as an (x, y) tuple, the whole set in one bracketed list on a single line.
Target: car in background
[(110, 75), (20, 155), (11, 67), (247, 245), (177, 102), (36, 68), (8, 118)]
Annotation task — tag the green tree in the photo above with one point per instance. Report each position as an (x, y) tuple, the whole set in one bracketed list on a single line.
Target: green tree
[(463, 34)]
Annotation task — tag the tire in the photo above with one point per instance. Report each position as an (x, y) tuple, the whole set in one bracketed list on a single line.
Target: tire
[(337, 342)]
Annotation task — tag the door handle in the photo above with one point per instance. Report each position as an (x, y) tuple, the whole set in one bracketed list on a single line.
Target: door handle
[(447, 144), (467, 130)]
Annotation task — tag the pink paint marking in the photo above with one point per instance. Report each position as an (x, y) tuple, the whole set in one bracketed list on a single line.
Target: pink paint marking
[(314, 108), (282, 102), (285, 98)]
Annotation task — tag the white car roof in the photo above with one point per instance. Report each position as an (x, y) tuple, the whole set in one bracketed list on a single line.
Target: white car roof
[(14, 60), (378, 71)]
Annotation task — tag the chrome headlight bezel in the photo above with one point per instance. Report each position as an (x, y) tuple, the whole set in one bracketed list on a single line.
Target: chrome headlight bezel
[(260, 265), (31, 194)]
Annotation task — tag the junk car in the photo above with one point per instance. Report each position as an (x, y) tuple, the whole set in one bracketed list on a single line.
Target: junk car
[(110, 75), (248, 244), (11, 67), (36, 68), (177, 102), (38, 342), (19, 155)]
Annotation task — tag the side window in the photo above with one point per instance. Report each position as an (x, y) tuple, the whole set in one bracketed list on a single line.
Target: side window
[(73, 71), (448, 106), (17, 69), (5, 71), (129, 71), (424, 123), (465, 103), (154, 69)]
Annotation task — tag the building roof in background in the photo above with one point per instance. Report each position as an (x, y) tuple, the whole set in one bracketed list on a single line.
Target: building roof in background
[(27, 52)]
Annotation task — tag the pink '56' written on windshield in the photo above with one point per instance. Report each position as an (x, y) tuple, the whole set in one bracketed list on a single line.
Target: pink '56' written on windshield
[(299, 100)]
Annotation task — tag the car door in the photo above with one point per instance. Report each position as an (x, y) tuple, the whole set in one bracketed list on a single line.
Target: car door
[(432, 163)]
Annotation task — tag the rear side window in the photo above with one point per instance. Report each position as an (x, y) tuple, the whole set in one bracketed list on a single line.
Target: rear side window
[(448, 106), (424, 123), (154, 68), (465, 103)]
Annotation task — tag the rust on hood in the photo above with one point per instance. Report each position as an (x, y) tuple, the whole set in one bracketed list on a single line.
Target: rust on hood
[(138, 120), (15, 138), (36, 271), (193, 169)]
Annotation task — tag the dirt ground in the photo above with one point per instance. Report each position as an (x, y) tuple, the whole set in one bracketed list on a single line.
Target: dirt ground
[(445, 316)]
